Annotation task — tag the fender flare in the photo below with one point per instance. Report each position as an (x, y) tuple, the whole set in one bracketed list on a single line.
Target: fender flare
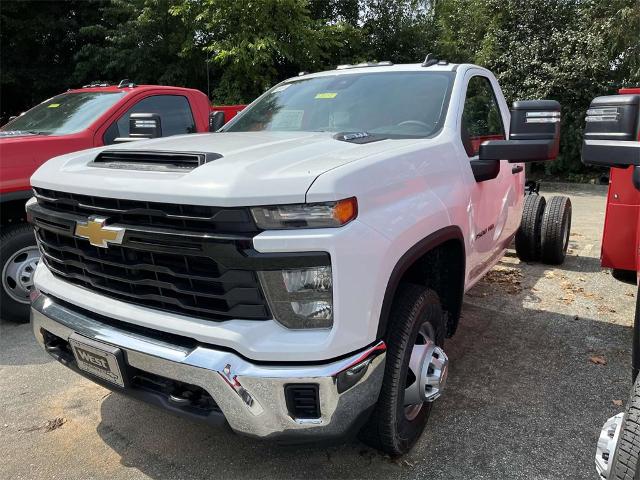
[(425, 245)]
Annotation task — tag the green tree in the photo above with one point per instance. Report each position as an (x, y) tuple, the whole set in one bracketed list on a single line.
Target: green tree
[(567, 50), (144, 41), (38, 41), (255, 43), (401, 32)]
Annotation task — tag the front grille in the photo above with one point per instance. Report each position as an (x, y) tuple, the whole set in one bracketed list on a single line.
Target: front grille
[(195, 218), (177, 283), (208, 276)]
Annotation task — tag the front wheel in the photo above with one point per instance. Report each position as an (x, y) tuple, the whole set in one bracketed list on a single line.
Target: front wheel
[(618, 453), (19, 257), (415, 371)]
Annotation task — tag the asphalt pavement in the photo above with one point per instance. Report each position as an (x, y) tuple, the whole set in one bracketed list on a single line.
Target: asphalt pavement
[(541, 359)]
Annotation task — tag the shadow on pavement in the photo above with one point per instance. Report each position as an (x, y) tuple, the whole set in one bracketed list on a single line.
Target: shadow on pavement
[(523, 401), (19, 347)]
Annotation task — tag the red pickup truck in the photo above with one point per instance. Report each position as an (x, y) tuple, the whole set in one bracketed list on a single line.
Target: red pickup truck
[(92, 116)]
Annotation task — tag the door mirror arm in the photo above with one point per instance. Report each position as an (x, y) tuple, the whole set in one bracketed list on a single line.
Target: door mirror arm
[(484, 169)]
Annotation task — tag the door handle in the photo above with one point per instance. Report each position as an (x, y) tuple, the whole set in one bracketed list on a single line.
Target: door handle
[(517, 169)]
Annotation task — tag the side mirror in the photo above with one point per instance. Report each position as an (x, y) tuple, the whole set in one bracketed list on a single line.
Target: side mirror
[(145, 125), (142, 126), (216, 120), (534, 134), (611, 136)]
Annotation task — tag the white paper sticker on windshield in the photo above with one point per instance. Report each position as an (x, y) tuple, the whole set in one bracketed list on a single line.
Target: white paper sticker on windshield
[(287, 120)]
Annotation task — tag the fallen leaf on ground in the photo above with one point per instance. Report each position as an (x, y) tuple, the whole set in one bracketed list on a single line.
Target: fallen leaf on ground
[(510, 278), (54, 424), (549, 274), (605, 309), (598, 360), (617, 403)]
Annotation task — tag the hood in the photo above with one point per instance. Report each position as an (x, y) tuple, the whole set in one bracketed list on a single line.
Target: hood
[(12, 136), (256, 168), (16, 133)]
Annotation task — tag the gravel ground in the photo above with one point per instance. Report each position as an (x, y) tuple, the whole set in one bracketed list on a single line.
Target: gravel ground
[(525, 399)]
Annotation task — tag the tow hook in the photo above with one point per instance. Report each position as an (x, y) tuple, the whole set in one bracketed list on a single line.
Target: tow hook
[(607, 444)]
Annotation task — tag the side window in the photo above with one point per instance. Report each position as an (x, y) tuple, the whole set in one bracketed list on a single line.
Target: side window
[(481, 119), (175, 115)]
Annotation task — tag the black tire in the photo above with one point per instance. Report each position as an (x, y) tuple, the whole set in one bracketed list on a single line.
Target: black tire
[(388, 428), (625, 464), (556, 228), (14, 239), (626, 276), (529, 235)]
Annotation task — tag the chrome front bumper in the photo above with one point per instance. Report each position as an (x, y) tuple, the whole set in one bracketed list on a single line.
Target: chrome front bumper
[(250, 396)]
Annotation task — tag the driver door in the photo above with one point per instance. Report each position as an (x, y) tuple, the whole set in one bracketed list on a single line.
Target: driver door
[(495, 189)]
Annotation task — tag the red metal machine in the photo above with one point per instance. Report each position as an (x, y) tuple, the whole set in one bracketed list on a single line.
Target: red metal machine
[(612, 138), (621, 237), (92, 116)]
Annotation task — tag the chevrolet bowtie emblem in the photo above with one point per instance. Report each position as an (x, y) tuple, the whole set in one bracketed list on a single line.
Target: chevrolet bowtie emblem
[(97, 233)]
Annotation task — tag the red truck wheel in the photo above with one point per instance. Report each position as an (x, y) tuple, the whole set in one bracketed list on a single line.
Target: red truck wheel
[(19, 256)]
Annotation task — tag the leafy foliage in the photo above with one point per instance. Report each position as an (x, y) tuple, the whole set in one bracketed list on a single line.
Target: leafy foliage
[(569, 50)]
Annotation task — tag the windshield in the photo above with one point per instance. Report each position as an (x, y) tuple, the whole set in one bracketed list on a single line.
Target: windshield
[(392, 104), (64, 114)]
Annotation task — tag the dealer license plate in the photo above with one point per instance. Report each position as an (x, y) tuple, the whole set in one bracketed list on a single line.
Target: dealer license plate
[(98, 359)]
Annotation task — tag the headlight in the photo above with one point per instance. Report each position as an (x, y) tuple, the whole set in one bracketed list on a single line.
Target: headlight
[(301, 298), (306, 215)]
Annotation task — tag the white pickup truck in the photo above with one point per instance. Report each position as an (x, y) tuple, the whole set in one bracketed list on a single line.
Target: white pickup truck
[(295, 275)]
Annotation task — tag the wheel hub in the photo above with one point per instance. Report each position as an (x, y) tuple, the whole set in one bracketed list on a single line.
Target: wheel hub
[(429, 364), (18, 271)]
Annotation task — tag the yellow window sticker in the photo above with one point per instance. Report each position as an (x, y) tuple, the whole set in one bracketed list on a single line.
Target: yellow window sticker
[(326, 95), (53, 105)]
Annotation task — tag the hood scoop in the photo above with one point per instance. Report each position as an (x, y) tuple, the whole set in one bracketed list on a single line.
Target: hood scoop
[(153, 160)]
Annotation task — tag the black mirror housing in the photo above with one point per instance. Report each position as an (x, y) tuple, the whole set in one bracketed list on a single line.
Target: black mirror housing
[(145, 125), (534, 134), (216, 120), (612, 132)]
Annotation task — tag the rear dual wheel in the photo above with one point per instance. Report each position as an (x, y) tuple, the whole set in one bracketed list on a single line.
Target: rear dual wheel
[(544, 230), (556, 229), (529, 235)]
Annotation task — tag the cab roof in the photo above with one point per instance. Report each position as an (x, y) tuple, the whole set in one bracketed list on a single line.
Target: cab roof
[(126, 89), (441, 66)]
